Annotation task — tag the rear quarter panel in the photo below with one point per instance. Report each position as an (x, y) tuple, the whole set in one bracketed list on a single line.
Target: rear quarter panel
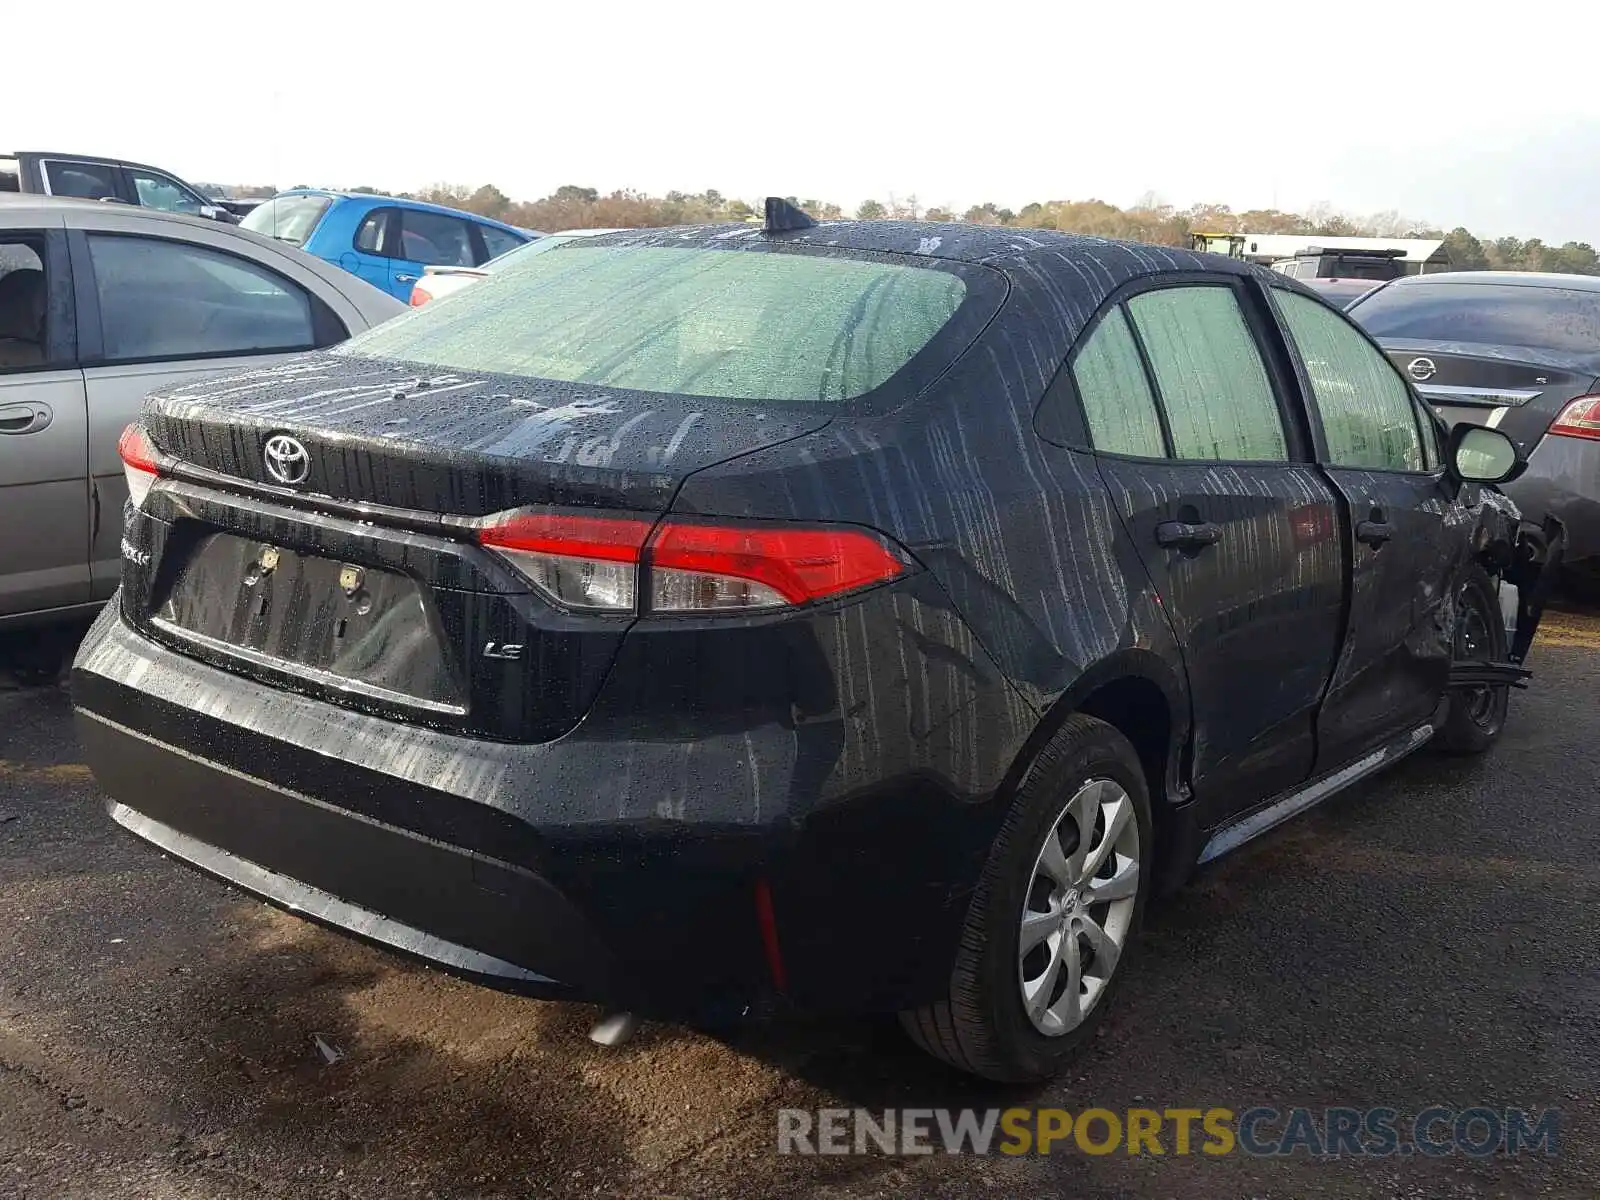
[(1020, 535)]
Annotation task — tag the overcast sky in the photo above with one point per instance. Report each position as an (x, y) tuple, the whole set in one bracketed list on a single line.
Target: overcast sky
[(1486, 118)]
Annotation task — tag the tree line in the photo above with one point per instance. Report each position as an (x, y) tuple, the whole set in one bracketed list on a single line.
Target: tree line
[(1149, 220)]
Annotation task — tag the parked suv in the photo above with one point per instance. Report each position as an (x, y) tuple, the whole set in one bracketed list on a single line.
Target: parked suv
[(747, 619), (384, 239), (89, 177)]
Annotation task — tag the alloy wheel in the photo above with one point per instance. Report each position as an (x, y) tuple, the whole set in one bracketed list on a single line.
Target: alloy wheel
[(1079, 908)]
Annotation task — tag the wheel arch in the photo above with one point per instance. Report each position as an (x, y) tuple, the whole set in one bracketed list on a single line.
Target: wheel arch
[(1143, 698), (1146, 699)]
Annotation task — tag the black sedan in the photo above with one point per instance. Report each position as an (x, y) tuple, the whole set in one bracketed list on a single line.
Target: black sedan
[(1518, 352), (747, 619)]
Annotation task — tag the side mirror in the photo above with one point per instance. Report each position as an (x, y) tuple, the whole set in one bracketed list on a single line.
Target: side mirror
[(1478, 454)]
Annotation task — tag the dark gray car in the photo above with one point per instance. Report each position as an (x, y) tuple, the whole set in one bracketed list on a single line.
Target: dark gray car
[(100, 303), (1519, 352)]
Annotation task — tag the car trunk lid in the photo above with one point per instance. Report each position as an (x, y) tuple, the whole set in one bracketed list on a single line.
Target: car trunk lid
[(364, 582), (1516, 389), (451, 442)]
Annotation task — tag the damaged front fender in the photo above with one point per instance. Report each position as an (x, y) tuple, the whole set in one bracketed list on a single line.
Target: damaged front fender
[(1533, 572), (1527, 558)]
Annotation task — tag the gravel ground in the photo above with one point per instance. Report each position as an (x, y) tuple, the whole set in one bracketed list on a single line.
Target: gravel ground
[(1427, 938)]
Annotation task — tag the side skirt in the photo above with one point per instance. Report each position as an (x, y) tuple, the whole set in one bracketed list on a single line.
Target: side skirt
[(1232, 836)]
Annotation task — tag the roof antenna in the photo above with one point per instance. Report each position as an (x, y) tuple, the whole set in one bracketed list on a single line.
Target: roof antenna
[(783, 217)]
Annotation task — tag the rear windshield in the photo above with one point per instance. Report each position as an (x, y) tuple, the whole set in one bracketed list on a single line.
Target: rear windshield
[(1359, 268), (1495, 314), (731, 324), (287, 218)]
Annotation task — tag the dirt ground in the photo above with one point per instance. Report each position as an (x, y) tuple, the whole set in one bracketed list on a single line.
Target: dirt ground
[(1431, 937)]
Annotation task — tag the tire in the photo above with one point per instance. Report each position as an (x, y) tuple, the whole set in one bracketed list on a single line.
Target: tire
[(1476, 716), (983, 1026)]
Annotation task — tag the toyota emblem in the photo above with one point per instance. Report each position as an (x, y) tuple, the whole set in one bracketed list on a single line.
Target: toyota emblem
[(287, 460), (1421, 369)]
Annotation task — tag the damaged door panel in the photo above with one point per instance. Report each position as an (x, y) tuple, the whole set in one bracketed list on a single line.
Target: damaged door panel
[(1395, 655)]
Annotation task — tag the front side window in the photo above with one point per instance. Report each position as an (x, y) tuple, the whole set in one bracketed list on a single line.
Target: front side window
[(435, 240), (1367, 411), (1117, 402), (734, 324), (86, 181), (288, 218), (162, 299), (160, 191), (498, 241), (1213, 384), (23, 294)]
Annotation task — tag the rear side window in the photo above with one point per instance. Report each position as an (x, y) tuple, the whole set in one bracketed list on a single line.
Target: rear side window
[(163, 299), (498, 241), (1367, 412), (287, 218), (1215, 389), (1495, 314), (373, 230), (1117, 401), (734, 324)]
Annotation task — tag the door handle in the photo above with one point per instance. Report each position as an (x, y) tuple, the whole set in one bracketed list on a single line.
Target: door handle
[(405, 278), (24, 418), (1373, 533), (1188, 535)]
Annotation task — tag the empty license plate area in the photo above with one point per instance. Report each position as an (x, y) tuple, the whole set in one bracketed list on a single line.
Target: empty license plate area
[(342, 624)]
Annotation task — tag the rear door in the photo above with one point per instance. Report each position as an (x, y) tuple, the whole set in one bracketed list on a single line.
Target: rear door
[(44, 496), (1237, 530), (376, 241), (154, 310), (1383, 457)]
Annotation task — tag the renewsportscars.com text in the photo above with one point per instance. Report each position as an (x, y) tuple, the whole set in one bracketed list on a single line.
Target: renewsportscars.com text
[(1261, 1132)]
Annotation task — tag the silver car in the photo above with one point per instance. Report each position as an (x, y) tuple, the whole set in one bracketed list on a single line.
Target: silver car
[(99, 304)]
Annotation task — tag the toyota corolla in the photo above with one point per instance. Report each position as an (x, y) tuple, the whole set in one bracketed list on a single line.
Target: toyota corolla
[(742, 620)]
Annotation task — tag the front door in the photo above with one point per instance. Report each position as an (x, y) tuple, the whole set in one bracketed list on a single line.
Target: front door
[(428, 239), (1383, 457), (1239, 537), (44, 495)]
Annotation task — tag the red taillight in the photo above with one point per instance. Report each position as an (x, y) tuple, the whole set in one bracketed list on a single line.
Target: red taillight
[(597, 563), (722, 566), (141, 462), (419, 295), (578, 560), (614, 539), (1579, 419)]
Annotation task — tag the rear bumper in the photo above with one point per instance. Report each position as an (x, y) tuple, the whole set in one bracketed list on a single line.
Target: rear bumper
[(599, 867), (1563, 480)]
